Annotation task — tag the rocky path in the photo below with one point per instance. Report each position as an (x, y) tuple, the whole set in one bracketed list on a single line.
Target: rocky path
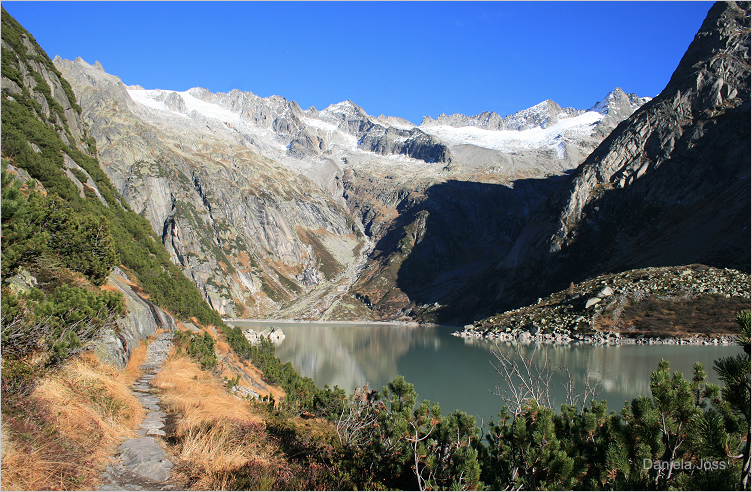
[(142, 463)]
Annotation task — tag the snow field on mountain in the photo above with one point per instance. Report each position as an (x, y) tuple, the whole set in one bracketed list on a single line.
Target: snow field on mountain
[(331, 130), (510, 140), (210, 111), (327, 126), (146, 98), (149, 98)]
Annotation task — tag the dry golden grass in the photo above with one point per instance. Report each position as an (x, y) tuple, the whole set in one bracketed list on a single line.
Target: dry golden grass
[(95, 388), (132, 371), (216, 432), (196, 394), (61, 436)]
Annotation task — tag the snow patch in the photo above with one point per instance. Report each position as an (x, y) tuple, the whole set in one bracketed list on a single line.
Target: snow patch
[(151, 99), (510, 140), (561, 150)]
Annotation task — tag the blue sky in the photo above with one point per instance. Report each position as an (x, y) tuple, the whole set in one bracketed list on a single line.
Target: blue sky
[(407, 59)]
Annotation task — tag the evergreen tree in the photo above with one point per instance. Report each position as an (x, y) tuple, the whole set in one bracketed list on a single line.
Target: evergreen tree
[(735, 406)]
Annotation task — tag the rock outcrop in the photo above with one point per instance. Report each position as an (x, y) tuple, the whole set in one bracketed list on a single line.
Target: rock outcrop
[(142, 320)]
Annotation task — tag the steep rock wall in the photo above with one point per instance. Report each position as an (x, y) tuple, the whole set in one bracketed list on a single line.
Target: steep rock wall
[(142, 320)]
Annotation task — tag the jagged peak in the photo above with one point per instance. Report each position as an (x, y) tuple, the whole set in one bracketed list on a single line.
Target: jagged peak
[(345, 108), (201, 93), (617, 98), (395, 121), (548, 103), (97, 65)]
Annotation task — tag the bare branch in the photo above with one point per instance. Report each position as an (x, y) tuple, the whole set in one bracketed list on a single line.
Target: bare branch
[(526, 379), (358, 414), (590, 390)]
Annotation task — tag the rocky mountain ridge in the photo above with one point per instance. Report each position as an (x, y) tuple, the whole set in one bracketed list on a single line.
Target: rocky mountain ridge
[(357, 217), (670, 186), (272, 209), (281, 129), (616, 104)]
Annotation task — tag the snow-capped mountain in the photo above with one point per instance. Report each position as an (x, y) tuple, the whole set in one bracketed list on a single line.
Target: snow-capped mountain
[(273, 210), (281, 128), (545, 125)]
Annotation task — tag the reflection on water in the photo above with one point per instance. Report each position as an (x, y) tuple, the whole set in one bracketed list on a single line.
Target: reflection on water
[(457, 372)]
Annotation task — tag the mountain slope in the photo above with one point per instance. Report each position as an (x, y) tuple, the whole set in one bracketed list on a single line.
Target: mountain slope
[(670, 186), (251, 234), (274, 211)]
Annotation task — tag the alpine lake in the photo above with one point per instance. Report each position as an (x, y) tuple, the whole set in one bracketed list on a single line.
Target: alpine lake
[(459, 373)]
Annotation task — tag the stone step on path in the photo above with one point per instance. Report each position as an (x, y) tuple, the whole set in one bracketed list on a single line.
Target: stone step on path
[(142, 463)]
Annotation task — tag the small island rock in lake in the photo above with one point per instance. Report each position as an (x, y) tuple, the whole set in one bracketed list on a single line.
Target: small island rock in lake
[(272, 333)]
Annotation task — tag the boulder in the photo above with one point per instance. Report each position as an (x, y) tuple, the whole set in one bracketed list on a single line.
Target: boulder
[(605, 292), (21, 282), (592, 302)]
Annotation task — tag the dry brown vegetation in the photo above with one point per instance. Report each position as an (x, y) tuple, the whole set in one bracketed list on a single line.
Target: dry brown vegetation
[(212, 431), (219, 441), (61, 436), (707, 314)]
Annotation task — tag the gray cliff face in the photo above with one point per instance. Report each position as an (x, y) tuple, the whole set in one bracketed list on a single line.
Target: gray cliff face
[(252, 235), (380, 137), (411, 143), (669, 186), (691, 141)]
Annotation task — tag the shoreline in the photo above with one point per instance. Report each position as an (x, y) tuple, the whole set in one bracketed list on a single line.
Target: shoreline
[(600, 338), (410, 324), (605, 338)]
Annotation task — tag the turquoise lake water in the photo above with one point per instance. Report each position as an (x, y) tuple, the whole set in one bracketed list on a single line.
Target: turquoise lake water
[(458, 373)]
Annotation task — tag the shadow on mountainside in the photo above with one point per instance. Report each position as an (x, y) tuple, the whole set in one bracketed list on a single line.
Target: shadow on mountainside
[(456, 232), (694, 208), (683, 214)]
